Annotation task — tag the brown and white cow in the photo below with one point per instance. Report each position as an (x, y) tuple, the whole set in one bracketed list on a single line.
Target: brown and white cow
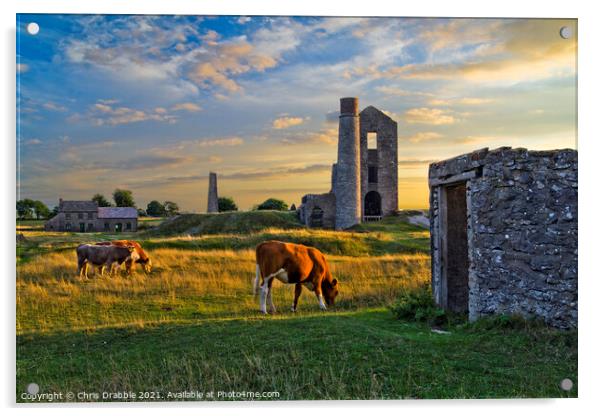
[(295, 264), (143, 258), (102, 256)]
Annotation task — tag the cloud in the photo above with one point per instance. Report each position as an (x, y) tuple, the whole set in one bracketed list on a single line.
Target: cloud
[(192, 107), (224, 141), (412, 163), (33, 142), (22, 68), (474, 139), (432, 116), (148, 162), (243, 20), (398, 92), (103, 114), (333, 116), (493, 51), (286, 122), (54, 107), (424, 136), (326, 135), (229, 59), (468, 101)]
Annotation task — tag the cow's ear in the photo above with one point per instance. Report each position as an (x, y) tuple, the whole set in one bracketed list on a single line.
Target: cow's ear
[(334, 282)]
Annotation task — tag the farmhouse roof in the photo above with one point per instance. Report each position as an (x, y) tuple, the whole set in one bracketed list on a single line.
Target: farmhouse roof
[(77, 206), (117, 212)]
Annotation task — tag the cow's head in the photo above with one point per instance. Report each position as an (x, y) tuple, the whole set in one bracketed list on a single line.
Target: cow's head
[(330, 290)]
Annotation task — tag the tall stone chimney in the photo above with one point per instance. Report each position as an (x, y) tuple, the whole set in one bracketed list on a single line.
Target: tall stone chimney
[(212, 205), (348, 184)]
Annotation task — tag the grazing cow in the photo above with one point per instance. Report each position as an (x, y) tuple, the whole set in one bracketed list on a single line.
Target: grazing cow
[(143, 258), (296, 264), (102, 256)]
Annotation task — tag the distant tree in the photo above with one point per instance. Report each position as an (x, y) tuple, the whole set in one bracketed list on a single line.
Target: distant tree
[(273, 203), (41, 210), (226, 204), (155, 209), (141, 212), (54, 211), (123, 198), (25, 209), (171, 208), (28, 209), (293, 207), (101, 200)]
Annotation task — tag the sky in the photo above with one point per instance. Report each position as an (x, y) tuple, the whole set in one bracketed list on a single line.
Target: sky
[(154, 103)]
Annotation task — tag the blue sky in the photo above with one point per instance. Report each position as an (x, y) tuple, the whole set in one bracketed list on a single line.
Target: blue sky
[(153, 103)]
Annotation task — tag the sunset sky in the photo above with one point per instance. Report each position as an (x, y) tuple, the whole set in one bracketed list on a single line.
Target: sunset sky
[(153, 103)]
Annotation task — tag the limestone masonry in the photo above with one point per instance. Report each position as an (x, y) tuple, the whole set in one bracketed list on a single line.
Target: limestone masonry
[(212, 205), (504, 234), (364, 179)]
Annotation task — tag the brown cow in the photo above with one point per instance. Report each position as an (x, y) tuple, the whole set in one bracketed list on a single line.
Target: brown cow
[(296, 264), (143, 258), (101, 256)]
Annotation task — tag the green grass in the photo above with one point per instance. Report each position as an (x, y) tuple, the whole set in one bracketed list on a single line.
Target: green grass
[(347, 355), (192, 324), (227, 223)]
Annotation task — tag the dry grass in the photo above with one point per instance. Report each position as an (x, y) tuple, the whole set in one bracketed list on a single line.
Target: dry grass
[(190, 285)]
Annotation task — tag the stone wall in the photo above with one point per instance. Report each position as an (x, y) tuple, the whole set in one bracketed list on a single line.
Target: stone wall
[(348, 187), (324, 202), (522, 232), (384, 158), (212, 199)]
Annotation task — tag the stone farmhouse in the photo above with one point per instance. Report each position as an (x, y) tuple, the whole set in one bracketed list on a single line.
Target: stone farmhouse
[(87, 216)]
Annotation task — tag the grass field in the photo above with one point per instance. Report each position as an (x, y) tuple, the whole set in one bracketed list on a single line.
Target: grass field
[(193, 323)]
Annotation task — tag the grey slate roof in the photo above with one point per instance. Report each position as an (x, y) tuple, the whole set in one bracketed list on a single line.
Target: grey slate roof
[(78, 206), (117, 212)]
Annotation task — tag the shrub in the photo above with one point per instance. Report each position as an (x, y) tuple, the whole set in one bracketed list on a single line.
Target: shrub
[(225, 204), (418, 305), (273, 204)]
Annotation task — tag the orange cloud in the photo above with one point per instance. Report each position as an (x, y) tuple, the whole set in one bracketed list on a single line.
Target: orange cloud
[(286, 122), (424, 136), (192, 107), (425, 115)]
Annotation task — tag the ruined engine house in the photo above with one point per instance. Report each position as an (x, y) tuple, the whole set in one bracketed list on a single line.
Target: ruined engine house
[(364, 178)]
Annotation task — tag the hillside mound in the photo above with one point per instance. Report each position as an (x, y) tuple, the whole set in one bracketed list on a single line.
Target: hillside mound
[(227, 223)]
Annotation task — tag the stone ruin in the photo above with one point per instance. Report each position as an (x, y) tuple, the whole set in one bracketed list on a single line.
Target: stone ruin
[(364, 179), (504, 234), (212, 204)]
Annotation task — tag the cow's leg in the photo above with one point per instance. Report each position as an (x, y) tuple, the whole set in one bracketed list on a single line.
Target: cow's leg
[(272, 307), (265, 287), (320, 299), (298, 289), (129, 264), (263, 295), (80, 267), (83, 269), (257, 276)]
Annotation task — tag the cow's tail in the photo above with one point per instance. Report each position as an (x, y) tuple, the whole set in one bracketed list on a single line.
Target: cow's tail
[(256, 282)]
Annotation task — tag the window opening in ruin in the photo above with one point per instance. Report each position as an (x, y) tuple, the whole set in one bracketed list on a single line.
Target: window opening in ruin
[(372, 174), (372, 142), (317, 217), (456, 249)]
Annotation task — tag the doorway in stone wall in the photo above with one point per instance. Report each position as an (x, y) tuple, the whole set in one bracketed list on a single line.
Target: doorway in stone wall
[(316, 219), (455, 249)]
